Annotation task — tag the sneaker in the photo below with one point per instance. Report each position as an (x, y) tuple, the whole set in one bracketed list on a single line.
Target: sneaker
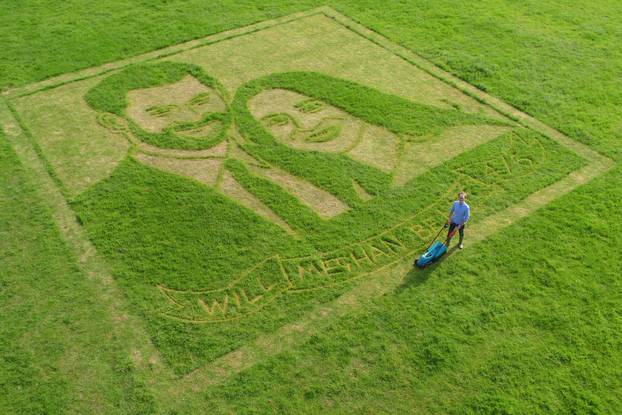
[(461, 246)]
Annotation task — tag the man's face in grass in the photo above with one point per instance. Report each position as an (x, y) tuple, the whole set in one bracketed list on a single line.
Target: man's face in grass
[(184, 108), (305, 123)]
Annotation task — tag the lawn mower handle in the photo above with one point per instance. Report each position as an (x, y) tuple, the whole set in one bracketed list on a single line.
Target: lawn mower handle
[(439, 232)]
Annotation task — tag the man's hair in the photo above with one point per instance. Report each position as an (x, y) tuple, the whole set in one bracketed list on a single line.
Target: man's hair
[(463, 193)]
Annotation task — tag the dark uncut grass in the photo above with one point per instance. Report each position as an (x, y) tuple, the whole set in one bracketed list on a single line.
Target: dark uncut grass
[(56, 351), (506, 327), (157, 228), (527, 322)]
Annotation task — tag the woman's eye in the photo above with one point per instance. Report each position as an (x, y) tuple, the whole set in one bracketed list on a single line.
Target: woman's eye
[(276, 120), (309, 105), (200, 99), (161, 110)]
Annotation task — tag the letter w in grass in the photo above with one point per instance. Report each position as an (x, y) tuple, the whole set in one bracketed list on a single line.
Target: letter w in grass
[(245, 295)]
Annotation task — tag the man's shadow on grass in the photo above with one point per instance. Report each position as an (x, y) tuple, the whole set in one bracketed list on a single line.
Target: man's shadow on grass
[(417, 276)]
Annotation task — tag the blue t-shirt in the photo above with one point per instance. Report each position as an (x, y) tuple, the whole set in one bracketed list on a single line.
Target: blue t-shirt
[(460, 212)]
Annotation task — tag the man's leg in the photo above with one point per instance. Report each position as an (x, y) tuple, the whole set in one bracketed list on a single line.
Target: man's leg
[(450, 234), (461, 232)]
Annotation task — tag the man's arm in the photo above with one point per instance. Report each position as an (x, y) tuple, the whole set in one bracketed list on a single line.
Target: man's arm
[(466, 216)]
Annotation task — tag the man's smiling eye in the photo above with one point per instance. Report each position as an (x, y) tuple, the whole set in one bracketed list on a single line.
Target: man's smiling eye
[(161, 110)]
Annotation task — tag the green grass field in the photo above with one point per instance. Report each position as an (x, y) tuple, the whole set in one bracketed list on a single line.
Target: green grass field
[(228, 226)]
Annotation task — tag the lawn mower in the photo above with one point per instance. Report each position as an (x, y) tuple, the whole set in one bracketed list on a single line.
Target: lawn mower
[(435, 250)]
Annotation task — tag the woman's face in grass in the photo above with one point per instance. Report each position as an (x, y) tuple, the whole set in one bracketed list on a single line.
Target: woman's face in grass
[(305, 123), (183, 107)]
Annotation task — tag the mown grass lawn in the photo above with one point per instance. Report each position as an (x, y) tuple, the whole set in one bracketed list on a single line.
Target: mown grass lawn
[(528, 321)]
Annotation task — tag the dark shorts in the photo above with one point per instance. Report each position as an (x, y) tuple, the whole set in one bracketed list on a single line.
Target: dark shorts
[(452, 226)]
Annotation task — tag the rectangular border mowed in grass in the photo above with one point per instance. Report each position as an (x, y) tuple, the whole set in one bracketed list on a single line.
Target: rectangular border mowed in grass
[(185, 346)]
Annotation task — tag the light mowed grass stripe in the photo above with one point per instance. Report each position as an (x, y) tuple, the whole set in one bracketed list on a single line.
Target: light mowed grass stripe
[(156, 54)]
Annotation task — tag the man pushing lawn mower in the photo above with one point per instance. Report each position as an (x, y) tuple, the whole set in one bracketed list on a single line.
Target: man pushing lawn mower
[(458, 216)]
